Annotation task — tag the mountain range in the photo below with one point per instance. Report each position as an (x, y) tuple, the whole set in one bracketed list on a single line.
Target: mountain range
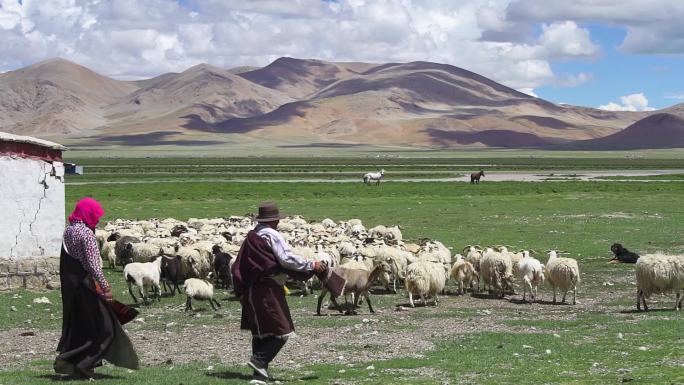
[(313, 102)]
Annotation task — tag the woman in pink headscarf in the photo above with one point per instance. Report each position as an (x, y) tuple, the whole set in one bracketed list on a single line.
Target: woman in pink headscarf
[(91, 331)]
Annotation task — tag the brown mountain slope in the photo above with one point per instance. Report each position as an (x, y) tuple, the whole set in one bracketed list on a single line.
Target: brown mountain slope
[(429, 104), (296, 101), (661, 130), (299, 78), (201, 95), (56, 96)]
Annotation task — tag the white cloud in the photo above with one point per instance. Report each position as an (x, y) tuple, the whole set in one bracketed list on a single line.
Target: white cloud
[(632, 102), (566, 40), (675, 95), (529, 91), (653, 26), (134, 39)]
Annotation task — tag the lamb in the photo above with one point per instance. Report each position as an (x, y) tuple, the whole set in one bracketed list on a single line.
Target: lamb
[(222, 266), (463, 272), (425, 279), (143, 275), (658, 273), (497, 271), (358, 283), (531, 273), (474, 255), (622, 254), (562, 273), (397, 260), (199, 289)]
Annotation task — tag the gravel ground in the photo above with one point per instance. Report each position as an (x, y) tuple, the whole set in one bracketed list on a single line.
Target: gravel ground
[(396, 332)]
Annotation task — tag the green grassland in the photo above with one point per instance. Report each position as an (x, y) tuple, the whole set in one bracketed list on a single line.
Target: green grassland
[(483, 341)]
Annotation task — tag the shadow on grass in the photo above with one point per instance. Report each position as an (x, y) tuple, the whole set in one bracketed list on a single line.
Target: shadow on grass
[(635, 311), (228, 375), (62, 378)]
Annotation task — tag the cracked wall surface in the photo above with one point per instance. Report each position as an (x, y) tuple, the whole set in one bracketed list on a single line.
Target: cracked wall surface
[(31, 208)]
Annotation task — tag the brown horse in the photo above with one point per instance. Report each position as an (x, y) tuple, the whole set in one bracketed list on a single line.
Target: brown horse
[(475, 177)]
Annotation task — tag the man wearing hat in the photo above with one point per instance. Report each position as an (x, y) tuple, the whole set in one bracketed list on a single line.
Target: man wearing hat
[(263, 264)]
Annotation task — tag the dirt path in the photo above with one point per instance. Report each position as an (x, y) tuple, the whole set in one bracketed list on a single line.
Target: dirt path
[(560, 175)]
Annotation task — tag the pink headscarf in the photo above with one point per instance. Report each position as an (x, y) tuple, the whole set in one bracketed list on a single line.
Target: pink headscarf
[(87, 210)]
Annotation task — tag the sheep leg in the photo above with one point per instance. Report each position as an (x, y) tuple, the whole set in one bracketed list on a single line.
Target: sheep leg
[(574, 295), (320, 300), (188, 304), (334, 302), (143, 294), (436, 300), (370, 307), (411, 299), (130, 290), (554, 294), (564, 294), (422, 297), (211, 302), (680, 298), (158, 292)]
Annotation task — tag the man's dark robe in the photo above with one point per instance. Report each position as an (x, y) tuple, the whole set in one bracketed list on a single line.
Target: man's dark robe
[(264, 308)]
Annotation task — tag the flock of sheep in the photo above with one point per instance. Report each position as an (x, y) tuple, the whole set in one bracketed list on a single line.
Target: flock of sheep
[(197, 255)]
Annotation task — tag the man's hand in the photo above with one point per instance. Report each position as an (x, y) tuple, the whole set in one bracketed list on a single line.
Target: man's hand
[(320, 267)]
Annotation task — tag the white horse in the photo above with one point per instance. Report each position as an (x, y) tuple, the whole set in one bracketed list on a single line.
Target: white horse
[(373, 176)]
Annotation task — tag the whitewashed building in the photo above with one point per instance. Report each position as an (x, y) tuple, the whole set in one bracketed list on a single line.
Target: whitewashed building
[(31, 210)]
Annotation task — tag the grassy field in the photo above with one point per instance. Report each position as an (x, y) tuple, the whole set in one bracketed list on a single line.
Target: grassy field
[(469, 339)]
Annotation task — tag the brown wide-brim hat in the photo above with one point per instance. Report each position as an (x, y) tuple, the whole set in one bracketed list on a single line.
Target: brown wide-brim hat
[(268, 212)]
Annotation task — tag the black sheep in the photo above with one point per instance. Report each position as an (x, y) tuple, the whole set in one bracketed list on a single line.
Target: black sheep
[(222, 266), (622, 254), (122, 251), (172, 274)]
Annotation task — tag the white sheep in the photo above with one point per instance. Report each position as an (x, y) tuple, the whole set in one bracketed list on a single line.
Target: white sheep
[(199, 289), (531, 273), (496, 271), (463, 272), (473, 254), (143, 275), (425, 279), (657, 274), (109, 253), (562, 273), (143, 252), (393, 235), (328, 223)]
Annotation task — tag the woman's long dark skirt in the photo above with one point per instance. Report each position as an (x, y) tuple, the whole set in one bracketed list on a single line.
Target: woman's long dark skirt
[(90, 330)]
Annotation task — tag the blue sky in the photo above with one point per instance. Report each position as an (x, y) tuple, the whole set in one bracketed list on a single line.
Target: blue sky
[(611, 54), (613, 73)]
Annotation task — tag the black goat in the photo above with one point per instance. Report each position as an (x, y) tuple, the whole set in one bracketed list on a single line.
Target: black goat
[(622, 254), (172, 274), (122, 251), (222, 267)]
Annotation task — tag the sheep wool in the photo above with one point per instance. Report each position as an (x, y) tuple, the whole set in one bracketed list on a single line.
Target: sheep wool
[(659, 274), (562, 273), (199, 289), (531, 273), (425, 279)]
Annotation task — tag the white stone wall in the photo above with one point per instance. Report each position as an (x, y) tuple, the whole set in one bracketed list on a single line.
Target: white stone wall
[(31, 208)]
